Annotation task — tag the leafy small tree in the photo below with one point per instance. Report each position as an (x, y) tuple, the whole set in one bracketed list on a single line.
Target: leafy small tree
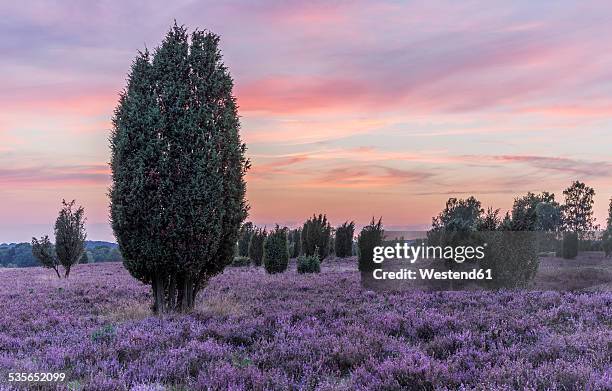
[(275, 252), (178, 166), (246, 231), (316, 234), (43, 250), (344, 239), (371, 235), (256, 245), (578, 208), (70, 235)]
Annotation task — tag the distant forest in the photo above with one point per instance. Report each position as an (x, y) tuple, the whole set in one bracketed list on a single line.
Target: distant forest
[(20, 254)]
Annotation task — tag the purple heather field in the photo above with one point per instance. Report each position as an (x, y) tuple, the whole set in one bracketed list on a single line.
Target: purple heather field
[(256, 331)]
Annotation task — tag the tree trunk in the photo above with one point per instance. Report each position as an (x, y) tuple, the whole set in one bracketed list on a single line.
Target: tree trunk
[(67, 271), (158, 294), (187, 303), (171, 293), (57, 272)]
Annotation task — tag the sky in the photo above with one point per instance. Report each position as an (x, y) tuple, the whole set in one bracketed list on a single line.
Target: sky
[(354, 109)]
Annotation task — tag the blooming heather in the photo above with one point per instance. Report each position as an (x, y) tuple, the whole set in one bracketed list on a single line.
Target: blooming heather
[(251, 330)]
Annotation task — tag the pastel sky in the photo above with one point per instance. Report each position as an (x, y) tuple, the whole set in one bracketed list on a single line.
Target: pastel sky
[(355, 109)]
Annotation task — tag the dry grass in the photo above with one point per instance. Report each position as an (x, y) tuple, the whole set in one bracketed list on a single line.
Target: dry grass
[(129, 311), (219, 305)]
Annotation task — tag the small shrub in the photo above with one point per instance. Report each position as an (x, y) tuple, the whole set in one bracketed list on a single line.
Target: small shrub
[(570, 245), (275, 253), (104, 334), (241, 261), (308, 264), (256, 246), (371, 236)]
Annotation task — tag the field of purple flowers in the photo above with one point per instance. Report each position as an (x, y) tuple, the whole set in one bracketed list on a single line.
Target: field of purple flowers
[(289, 331)]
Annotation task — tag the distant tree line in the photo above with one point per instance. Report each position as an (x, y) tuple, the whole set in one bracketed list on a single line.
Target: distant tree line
[(20, 254)]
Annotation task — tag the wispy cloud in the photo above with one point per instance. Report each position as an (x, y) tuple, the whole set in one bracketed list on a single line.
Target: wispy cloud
[(96, 174)]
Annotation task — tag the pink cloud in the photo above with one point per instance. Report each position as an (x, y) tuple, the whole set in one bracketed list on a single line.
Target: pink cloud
[(35, 176)]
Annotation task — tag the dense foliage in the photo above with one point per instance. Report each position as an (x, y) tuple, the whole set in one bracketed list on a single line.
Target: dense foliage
[(256, 245), (178, 165), (240, 261), (308, 264), (456, 223), (459, 215), (371, 235), (536, 212), (102, 253), (70, 235), (570, 245), (295, 242), (316, 236), (244, 238), (344, 239), (17, 255), (253, 331), (578, 208), (512, 257), (275, 251), (607, 235), (20, 254), (511, 245)]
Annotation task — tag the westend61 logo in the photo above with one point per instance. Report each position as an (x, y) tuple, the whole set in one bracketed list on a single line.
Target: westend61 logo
[(412, 253)]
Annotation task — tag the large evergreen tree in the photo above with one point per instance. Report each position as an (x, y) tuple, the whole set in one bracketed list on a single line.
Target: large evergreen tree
[(316, 236), (178, 165)]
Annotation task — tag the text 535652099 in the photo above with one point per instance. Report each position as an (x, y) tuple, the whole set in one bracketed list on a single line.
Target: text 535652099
[(36, 376)]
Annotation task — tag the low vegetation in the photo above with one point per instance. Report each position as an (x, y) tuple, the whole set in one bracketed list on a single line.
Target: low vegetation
[(256, 246), (371, 235), (275, 251), (308, 264), (259, 331)]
